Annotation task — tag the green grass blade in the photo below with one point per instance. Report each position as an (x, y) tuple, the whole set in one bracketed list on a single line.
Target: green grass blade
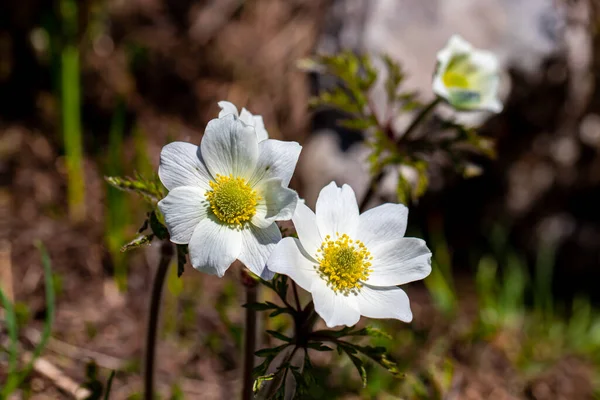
[(71, 112), (11, 324), (50, 303)]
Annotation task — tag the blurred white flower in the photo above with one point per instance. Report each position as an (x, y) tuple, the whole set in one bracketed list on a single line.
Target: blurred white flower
[(466, 77), (352, 263), (247, 117), (226, 194)]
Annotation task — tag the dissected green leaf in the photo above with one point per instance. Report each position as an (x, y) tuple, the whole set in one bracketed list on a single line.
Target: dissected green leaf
[(318, 346), (150, 190), (270, 351), (279, 336), (357, 363), (158, 229), (139, 241), (182, 251)]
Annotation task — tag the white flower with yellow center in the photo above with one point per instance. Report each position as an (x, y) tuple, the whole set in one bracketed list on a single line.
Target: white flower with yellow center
[(247, 117), (466, 77), (226, 194), (352, 263)]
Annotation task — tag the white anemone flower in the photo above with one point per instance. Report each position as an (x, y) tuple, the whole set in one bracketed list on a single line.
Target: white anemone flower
[(226, 194), (352, 263), (247, 117), (466, 77)]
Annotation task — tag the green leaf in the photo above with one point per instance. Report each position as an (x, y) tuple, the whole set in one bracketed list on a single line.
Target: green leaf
[(261, 306), (157, 227), (270, 351), (380, 356), (139, 241), (394, 78), (151, 190), (279, 336), (182, 251), (358, 364), (318, 346), (359, 124), (261, 380)]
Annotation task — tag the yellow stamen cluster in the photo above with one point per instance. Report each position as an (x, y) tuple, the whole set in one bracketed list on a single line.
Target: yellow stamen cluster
[(455, 80), (232, 200), (343, 263)]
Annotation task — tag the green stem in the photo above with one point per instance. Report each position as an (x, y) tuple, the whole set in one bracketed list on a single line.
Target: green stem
[(166, 254), (425, 111)]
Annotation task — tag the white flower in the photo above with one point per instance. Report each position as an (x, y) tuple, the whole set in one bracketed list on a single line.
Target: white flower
[(466, 77), (246, 116), (352, 263), (226, 194)]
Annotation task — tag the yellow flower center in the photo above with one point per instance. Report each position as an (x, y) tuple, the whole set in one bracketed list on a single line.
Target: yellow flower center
[(455, 80), (343, 263), (232, 200)]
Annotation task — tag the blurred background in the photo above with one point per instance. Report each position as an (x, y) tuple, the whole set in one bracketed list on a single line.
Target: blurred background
[(96, 87)]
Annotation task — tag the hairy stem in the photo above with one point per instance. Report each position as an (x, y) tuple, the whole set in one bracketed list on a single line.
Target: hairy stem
[(166, 254), (249, 342)]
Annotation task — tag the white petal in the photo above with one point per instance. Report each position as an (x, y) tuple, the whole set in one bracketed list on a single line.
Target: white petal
[(305, 222), (257, 122), (485, 61), (385, 222), (456, 44), (181, 164), (337, 211), (229, 147), (257, 246), (276, 159), (247, 117), (386, 302), (227, 108), (493, 105), (440, 88), (259, 127), (289, 258), (397, 262), (277, 203), (214, 247), (335, 309), (183, 208)]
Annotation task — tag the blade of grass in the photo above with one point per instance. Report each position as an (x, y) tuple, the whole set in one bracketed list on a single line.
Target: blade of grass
[(50, 303), (544, 271), (71, 112), (11, 325), (117, 209)]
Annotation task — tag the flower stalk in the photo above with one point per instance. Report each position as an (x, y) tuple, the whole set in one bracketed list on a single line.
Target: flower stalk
[(166, 254), (251, 287)]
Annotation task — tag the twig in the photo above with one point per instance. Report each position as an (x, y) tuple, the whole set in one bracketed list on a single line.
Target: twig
[(74, 352), (6, 280), (166, 253), (58, 378)]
